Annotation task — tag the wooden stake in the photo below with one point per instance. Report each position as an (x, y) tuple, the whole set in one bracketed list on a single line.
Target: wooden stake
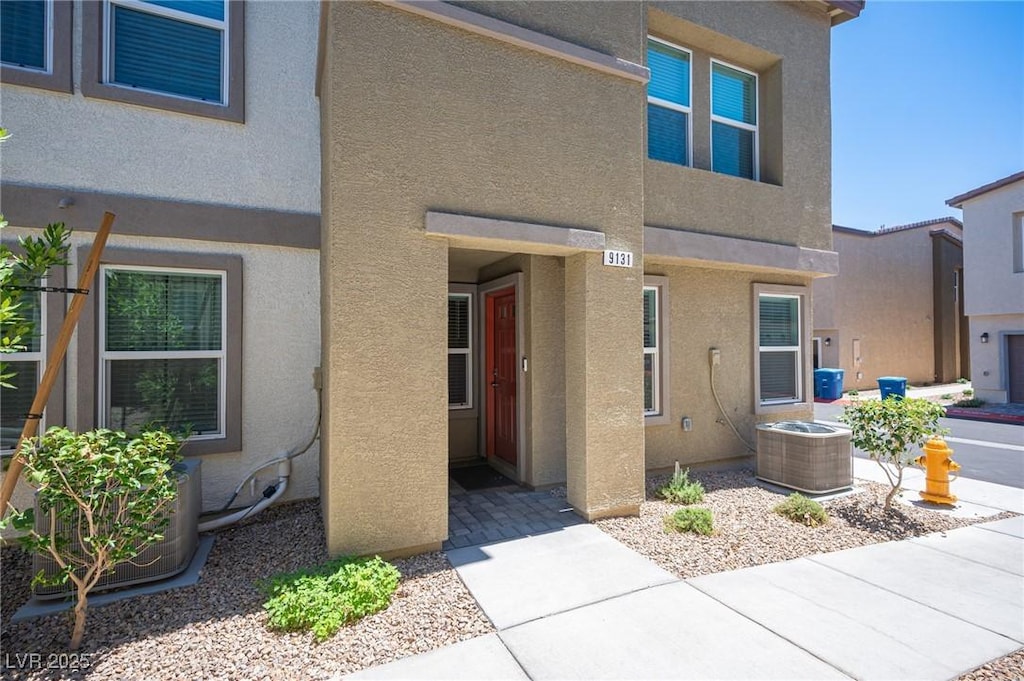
[(56, 359)]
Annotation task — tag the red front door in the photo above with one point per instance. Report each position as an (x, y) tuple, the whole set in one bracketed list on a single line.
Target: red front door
[(501, 375)]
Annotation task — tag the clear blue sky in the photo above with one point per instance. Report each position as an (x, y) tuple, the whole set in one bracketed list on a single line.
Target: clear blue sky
[(927, 103)]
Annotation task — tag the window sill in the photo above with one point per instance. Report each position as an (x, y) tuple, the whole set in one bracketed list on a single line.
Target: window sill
[(153, 100), (657, 420), (783, 407), (462, 414)]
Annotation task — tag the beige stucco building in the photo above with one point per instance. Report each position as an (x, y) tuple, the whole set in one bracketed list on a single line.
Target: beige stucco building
[(993, 216), (552, 232), (896, 307), (575, 240)]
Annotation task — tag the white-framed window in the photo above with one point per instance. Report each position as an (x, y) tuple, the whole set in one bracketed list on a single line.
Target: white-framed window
[(162, 340), (460, 350), (655, 340), (27, 367), (734, 127), (1018, 242), (171, 47), (778, 332), (668, 102), (26, 34)]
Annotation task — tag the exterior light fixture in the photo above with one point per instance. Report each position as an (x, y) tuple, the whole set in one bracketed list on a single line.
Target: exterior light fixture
[(984, 337), (828, 341), (65, 202)]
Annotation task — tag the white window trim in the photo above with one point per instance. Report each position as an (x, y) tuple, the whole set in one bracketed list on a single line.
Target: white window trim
[(661, 414), (688, 110), (38, 356), (48, 36), (732, 122), (221, 355), (802, 400), (184, 17), (469, 293)]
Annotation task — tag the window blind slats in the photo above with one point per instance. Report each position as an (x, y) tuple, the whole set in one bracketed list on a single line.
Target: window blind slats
[(23, 33), (778, 375), (733, 94), (458, 378), (17, 401), (733, 150), (666, 134), (211, 9), (174, 393), (166, 55), (779, 323), (156, 311), (458, 322), (670, 73), (650, 318)]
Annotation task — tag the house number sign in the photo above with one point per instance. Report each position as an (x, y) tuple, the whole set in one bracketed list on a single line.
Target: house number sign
[(618, 258)]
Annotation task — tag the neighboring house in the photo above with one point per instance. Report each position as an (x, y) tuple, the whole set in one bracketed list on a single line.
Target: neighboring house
[(993, 217), (896, 307), (479, 160), (207, 309), (550, 235)]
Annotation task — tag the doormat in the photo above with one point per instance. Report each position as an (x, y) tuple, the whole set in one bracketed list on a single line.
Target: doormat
[(480, 476)]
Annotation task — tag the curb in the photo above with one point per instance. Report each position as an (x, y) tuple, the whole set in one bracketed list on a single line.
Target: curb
[(968, 414)]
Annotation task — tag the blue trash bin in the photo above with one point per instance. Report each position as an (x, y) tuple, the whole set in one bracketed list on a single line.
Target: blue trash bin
[(893, 385), (828, 383)]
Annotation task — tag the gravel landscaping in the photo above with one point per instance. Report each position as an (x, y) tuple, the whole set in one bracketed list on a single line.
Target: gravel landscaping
[(749, 533), (1009, 668), (216, 629)]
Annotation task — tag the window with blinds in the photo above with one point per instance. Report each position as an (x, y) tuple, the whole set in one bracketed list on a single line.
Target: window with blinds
[(22, 369), (779, 348), (162, 341), (668, 102), (460, 351), (652, 352), (175, 47), (24, 34), (734, 141)]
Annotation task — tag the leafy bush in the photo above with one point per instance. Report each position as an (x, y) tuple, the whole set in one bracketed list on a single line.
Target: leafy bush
[(695, 519), (108, 489), (946, 396), (324, 598), (970, 403), (800, 509), (889, 429), (968, 392), (681, 490), (962, 380), (852, 393)]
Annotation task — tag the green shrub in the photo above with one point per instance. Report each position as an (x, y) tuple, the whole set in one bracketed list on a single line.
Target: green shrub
[(800, 509), (946, 396), (853, 393), (681, 490), (324, 598), (962, 380), (970, 402), (968, 392), (690, 519)]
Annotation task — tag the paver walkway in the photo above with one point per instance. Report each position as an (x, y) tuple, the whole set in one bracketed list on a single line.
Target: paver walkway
[(504, 513)]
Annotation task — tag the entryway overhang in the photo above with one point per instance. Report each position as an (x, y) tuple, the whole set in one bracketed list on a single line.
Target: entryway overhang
[(491, 234), (678, 246)]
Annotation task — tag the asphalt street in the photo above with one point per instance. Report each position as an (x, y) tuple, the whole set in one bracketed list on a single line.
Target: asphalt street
[(993, 452)]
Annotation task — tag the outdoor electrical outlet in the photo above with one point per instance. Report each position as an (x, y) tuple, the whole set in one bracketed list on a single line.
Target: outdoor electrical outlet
[(687, 424), (716, 356)]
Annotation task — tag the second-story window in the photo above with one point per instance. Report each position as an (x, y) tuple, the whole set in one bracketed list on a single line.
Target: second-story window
[(25, 30), (734, 149), (167, 46), (177, 55), (668, 102)]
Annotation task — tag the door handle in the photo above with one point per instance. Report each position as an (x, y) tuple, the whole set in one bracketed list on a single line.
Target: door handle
[(494, 384)]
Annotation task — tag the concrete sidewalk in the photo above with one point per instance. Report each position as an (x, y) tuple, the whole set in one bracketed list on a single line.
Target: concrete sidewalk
[(577, 604)]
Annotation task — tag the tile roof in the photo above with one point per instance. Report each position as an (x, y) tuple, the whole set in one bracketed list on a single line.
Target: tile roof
[(958, 201)]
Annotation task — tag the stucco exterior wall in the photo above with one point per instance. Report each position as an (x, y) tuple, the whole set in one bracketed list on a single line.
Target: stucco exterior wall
[(883, 297), (788, 46), (989, 361), (507, 150), (711, 308), (280, 321), (993, 288), (272, 161)]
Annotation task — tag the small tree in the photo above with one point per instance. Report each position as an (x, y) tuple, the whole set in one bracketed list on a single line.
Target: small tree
[(889, 429), (102, 493)]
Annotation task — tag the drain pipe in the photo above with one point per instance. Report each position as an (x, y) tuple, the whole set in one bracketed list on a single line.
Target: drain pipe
[(271, 494), (274, 491)]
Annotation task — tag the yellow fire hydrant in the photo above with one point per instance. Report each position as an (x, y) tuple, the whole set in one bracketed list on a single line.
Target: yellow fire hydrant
[(938, 463)]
